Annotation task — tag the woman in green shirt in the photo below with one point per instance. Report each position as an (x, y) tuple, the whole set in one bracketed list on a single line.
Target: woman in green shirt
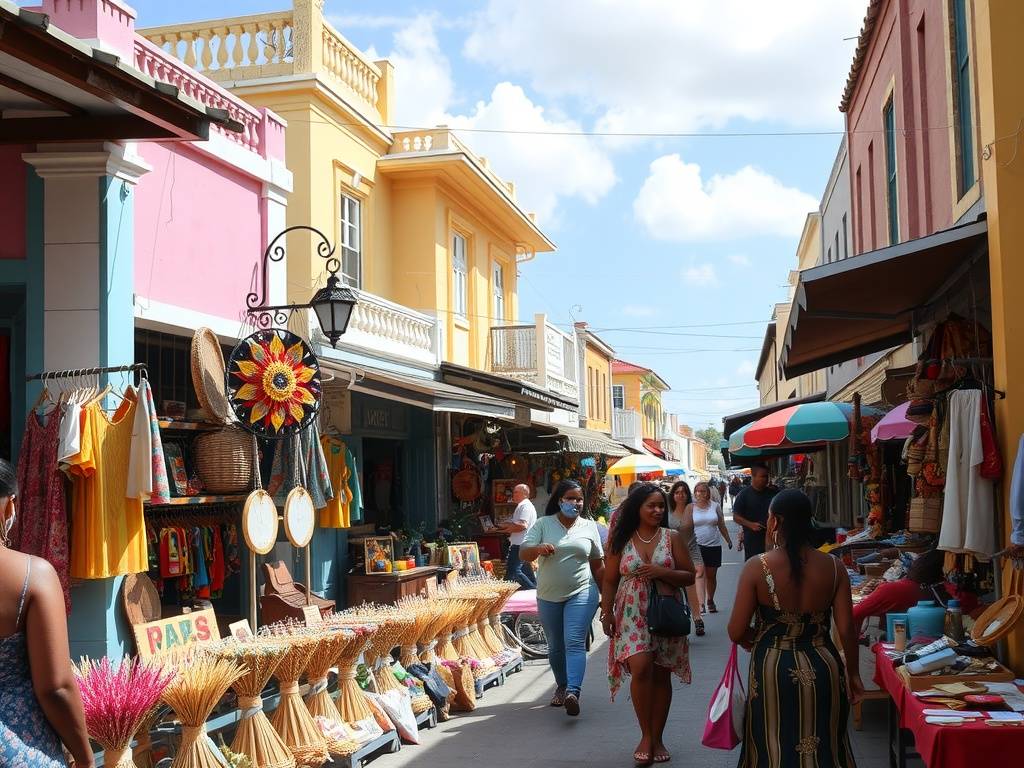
[(571, 568)]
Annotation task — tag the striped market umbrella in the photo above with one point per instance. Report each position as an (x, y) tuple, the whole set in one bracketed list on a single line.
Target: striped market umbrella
[(823, 422), (639, 464)]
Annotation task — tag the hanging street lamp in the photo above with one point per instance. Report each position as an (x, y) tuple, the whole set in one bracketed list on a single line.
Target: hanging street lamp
[(332, 304)]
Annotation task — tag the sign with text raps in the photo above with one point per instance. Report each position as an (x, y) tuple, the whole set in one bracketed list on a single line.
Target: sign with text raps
[(176, 633)]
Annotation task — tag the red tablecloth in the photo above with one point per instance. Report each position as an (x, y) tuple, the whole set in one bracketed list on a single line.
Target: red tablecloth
[(943, 746)]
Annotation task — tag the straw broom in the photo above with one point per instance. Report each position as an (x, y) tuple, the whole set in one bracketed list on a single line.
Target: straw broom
[(201, 680), (420, 611), (351, 703), (507, 588), (418, 696), (117, 702), (255, 737), (318, 700), (427, 642), (291, 719)]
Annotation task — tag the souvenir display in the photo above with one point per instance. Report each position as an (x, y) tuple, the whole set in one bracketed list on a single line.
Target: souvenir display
[(299, 517), (351, 703), (273, 383), (259, 522), (333, 645), (291, 719)]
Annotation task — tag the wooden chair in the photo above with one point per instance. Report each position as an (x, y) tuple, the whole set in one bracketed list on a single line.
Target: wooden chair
[(283, 598)]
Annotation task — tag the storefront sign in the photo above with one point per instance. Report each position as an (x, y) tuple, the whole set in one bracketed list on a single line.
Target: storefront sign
[(336, 411), (381, 416), (176, 633)]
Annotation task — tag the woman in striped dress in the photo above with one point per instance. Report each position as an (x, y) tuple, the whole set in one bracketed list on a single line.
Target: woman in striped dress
[(799, 691)]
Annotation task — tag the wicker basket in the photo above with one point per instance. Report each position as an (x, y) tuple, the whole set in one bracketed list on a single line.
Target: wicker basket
[(223, 460), (208, 375)]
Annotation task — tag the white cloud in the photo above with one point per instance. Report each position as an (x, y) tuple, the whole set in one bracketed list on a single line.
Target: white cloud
[(739, 260), (700, 274), (650, 65), (638, 310), (676, 203), (545, 168), (746, 368)]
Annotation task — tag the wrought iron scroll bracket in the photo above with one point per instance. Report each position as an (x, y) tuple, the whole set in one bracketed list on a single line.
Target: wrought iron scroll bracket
[(266, 315)]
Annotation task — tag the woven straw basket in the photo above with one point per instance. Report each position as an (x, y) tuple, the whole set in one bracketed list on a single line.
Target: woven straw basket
[(223, 460)]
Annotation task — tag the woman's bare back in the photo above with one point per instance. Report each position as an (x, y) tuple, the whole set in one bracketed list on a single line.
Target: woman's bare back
[(817, 589)]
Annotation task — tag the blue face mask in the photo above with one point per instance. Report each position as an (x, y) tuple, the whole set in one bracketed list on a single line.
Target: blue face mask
[(568, 508)]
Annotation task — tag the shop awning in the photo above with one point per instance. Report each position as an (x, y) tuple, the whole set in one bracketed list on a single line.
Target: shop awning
[(871, 302), (55, 87), (733, 422), (513, 390), (578, 440), (652, 447), (424, 393)]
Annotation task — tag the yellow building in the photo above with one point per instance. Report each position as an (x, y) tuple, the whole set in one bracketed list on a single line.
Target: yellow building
[(595, 380), (1000, 102), (639, 389), (423, 227)]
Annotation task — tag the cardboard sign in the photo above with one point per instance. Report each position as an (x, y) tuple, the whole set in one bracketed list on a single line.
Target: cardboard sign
[(240, 630), (176, 633), (311, 613)]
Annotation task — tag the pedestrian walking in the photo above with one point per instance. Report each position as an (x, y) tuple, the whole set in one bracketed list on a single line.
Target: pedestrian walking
[(642, 556), (735, 486), (799, 693), (680, 520), (709, 528), (571, 568), (523, 518), (751, 510), (723, 491), (40, 706)]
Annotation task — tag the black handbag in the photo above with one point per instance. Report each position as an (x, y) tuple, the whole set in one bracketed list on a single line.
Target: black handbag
[(667, 615)]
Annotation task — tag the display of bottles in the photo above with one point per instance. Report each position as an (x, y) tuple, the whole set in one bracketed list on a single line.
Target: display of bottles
[(954, 621)]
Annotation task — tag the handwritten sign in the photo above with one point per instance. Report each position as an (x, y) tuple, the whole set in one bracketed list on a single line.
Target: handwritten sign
[(240, 630), (176, 633), (311, 613)]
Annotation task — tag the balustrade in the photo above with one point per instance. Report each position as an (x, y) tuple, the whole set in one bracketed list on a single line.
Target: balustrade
[(383, 326)]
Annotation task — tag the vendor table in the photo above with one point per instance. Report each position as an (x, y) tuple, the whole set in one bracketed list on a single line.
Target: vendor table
[(389, 588), (939, 746)]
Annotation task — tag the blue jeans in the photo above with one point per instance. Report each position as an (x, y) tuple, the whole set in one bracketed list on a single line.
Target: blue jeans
[(567, 626), (516, 570)]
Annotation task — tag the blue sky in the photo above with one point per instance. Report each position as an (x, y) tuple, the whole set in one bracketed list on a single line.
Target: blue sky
[(658, 235)]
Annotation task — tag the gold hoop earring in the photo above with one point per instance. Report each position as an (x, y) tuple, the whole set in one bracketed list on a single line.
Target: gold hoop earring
[(775, 540)]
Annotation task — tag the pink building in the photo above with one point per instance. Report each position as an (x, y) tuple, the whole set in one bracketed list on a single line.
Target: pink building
[(913, 170), (137, 199)]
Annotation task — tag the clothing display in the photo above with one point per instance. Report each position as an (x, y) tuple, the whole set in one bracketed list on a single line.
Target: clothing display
[(41, 525), (147, 472), (795, 667), (346, 505), (309, 470), (195, 559), (1016, 504), (108, 536), (631, 634), (968, 509), (70, 432)]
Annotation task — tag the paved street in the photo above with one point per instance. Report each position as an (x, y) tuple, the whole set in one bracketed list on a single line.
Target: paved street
[(514, 727)]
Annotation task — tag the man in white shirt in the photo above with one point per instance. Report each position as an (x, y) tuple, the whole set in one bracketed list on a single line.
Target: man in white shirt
[(523, 518)]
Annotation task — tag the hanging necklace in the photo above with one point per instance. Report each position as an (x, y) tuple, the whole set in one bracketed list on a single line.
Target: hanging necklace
[(646, 541)]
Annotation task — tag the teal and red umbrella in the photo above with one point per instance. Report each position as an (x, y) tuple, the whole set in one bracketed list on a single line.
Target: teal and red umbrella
[(803, 424)]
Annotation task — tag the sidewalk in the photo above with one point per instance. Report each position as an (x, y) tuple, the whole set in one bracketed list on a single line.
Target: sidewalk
[(514, 727)]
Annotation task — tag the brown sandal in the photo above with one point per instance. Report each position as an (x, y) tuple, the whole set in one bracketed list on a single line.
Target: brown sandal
[(558, 700)]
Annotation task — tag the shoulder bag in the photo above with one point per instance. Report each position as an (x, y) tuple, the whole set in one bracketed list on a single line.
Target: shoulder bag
[(667, 614)]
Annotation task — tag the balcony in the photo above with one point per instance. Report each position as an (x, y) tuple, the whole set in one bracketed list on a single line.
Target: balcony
[(298, 41), (384, 328), (627, 428), (539, 354)]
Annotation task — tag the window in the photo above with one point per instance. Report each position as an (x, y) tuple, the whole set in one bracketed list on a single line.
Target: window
[(460, 270), (828, 256), (872, 220), (498, 281), (836, 250), (592, 400), (892, 204), (351, 241), (845, 241), (618, 396), (604, 396), (962, 96)]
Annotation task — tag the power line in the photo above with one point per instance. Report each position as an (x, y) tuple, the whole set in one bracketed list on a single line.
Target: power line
[(670, 327), (709, 389), (698, 335)]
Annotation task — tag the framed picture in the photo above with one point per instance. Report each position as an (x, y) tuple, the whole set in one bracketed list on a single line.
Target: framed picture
[(176, 471), (379, 552), (486, 523), (502, 491), (503, 513), (464, 558)]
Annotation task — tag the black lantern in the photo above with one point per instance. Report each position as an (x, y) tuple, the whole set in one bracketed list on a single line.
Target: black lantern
[(332, 304)]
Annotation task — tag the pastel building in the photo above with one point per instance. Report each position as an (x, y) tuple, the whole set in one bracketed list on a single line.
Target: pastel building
[(137, 199)]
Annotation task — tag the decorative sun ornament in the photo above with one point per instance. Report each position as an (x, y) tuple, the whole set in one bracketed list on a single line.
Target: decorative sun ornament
[(273, 383)]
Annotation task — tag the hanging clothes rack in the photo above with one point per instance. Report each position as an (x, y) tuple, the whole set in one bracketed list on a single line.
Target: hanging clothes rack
[(72, 372)]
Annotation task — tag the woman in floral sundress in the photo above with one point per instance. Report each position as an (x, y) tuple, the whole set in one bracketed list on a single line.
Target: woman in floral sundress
[(640, 555)]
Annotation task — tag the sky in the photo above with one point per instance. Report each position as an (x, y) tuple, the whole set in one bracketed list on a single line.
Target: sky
[(674, 248)]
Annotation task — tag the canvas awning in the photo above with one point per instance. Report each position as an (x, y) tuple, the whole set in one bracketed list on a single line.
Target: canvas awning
[(651, 446), (576, 440), (513, 390), (871, 302)]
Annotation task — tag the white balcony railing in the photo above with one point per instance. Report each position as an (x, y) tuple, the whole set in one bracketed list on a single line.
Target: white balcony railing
[(384, 327), (539, 354), (627, 428)]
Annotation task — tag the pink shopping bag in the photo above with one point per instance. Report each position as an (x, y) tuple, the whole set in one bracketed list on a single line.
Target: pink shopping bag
[(724, 725)]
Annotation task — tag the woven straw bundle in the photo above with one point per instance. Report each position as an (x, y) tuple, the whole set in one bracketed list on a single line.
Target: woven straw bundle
[(200, 681), (491, 621), (332, 645), (351, 703), (291, 719)]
